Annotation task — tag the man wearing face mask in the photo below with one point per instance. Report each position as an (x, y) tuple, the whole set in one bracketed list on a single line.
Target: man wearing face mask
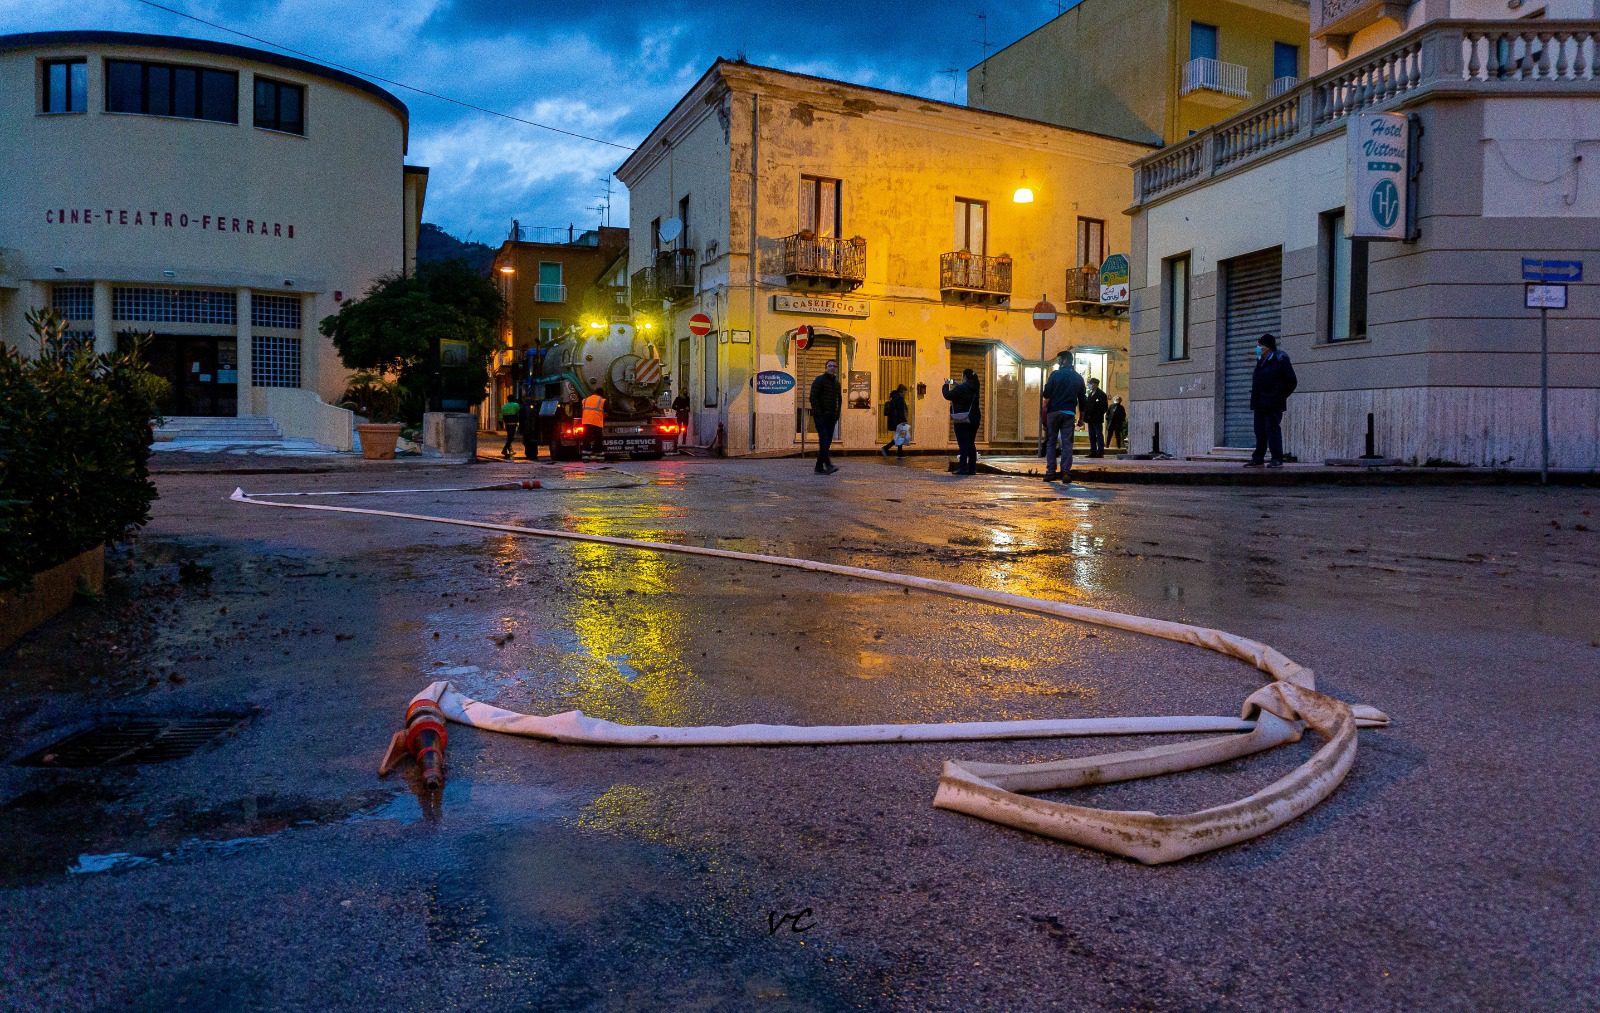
[(1270, 387), (826, 399)]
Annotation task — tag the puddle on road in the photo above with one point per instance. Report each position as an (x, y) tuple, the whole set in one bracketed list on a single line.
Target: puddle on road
[(85, 829)]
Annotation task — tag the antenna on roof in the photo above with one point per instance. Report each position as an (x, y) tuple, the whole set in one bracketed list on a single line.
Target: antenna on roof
[(955, 80), (983, 66)]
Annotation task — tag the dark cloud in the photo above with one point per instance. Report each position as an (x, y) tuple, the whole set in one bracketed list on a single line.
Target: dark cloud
[(606, 69)]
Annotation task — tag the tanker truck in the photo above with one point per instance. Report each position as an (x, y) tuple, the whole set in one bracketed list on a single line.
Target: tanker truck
[(624, 367)]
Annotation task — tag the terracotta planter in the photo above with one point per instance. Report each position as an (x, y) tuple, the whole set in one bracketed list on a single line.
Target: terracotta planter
[(52, 592), (378, 440)]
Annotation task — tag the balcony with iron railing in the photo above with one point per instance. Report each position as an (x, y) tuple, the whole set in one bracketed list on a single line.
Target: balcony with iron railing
[(824, 261), (1083, 295), (546, 292), (1455, 59), (1280, 85), (670, 279), (1212, 82), (970, 277)]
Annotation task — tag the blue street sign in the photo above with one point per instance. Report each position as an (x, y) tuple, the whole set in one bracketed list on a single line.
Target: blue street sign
[(1552, 270), (773, 381)]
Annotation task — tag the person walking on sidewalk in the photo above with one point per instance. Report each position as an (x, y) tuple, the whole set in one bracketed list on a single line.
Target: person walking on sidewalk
[(1064, 397), (826, 400), (1270, 386), (680, 408), (1094, 417), (894, 413), (509, 413), (966, 415), (1117, 424)]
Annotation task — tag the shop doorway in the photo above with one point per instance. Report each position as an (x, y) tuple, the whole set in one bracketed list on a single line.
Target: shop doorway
[(203, 371), (810, 363), (965, 355), (1253, 294), (1091, 365), (897, 365)]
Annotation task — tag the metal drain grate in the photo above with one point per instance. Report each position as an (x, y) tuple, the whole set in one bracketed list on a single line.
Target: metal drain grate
[(120, 742)]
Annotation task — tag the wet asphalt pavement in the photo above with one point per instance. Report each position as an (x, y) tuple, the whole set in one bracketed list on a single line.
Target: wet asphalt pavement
[(1454, 869)]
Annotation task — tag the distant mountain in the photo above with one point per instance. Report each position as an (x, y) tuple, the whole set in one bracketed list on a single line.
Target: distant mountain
[(434, 243)]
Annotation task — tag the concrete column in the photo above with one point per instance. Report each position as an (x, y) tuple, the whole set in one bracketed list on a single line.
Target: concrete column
[(246, 389), (311, 349), (105, 338), (34, 295)]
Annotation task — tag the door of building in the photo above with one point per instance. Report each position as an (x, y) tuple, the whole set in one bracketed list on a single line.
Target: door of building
[(1007, 398), (1253, 291), (965, 355), (1032, 391), (203, 371), (897, 364), (809, 363)]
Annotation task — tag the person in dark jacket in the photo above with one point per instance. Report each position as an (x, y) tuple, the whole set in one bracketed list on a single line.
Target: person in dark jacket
[(1094, 417), (966, 415), (1117, 424), (826, 400), (894, 413), (1270, 386), (1063, 397)]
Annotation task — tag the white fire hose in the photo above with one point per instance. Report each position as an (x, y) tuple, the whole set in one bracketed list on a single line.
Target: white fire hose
[(1273, 715)]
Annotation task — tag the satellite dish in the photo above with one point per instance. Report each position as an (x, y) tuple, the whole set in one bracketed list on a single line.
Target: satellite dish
[(671, 229)]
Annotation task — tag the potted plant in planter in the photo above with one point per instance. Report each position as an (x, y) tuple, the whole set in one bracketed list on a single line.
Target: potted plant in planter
[(377, 400)]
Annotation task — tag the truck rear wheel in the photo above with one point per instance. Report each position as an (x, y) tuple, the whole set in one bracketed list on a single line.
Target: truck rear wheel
[(560, 453)]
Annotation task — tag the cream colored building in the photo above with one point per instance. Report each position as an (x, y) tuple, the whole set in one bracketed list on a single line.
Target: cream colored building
[(772, 201), (1240, 230), (226, 199), (1147, 70)]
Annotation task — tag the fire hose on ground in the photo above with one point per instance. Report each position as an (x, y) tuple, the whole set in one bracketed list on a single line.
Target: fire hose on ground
[(1275, 714)]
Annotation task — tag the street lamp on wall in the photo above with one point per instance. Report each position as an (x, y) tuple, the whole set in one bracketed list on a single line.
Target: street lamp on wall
[(1024, 193)]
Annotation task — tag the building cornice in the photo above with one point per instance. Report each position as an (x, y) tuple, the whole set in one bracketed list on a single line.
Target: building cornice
[(39, 40)]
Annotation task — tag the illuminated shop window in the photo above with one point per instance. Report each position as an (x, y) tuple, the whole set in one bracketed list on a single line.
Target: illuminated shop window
[(275, 311), (66, 86), (280, 106), (174, 305), (274, 362), (160, 89)]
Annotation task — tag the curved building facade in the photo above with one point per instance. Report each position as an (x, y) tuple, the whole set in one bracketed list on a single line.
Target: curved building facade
[(225, 199)]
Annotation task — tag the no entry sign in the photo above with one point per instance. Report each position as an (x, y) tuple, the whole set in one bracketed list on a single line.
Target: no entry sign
[(699, 325), (1044, 316)]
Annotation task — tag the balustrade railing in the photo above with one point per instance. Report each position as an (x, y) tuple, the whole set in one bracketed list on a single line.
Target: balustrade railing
[(1443, 55)]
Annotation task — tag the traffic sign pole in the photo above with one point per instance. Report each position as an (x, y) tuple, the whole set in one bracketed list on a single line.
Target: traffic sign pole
[(1544, 396)]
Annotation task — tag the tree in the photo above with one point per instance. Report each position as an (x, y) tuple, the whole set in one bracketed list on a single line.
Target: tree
[(397, 326)]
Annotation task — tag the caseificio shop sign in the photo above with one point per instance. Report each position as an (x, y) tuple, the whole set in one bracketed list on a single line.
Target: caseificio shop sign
[(821, 305), (157, 219)]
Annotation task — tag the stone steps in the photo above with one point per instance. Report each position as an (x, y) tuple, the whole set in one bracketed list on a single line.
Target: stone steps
[(242, 429)]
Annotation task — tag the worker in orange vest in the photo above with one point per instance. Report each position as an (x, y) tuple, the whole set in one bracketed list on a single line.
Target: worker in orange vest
[(594, 420)]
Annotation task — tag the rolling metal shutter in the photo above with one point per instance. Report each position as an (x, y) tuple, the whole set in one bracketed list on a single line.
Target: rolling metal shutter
[(1254, 296), (965, 356), (810, 363)]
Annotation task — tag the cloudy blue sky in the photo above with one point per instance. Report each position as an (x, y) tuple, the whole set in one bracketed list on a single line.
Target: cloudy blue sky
[(605, 69)]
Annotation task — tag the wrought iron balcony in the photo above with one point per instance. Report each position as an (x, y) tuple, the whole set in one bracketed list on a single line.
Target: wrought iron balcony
[(1083, 295), (670, 278), (1205, 79), (970, 277), (824, 260), (544, 292)]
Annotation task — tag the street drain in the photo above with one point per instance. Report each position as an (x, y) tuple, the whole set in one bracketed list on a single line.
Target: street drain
[(121, 742)]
